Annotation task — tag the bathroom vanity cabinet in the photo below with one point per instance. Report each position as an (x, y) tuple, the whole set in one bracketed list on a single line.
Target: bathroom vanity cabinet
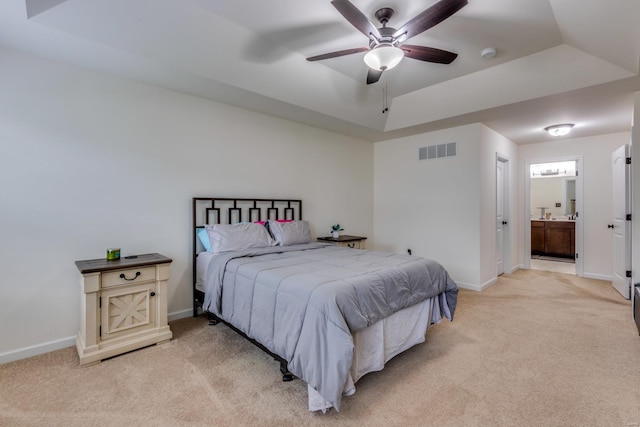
[(553, 238)]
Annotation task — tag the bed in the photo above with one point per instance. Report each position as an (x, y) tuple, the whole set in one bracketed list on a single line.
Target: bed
[(328, 314)]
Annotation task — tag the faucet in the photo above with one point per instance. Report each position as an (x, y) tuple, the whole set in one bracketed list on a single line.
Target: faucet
[(542, 212)]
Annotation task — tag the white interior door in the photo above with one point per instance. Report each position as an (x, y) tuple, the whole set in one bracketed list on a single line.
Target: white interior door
[(621, 227), (500, 216)]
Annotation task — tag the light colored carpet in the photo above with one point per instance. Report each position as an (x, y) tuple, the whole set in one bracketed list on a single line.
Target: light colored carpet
[(536, 349)]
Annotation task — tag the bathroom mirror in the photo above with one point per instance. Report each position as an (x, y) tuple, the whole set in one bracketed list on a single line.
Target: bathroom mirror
[(553, 186)]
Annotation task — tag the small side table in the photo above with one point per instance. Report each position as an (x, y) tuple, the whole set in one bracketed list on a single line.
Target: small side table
[(354, 242), (123, 305)]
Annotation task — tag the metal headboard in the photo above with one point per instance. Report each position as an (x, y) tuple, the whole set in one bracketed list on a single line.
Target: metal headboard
[(224, 210)]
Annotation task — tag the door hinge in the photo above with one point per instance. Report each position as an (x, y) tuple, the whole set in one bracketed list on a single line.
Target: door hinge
[(576, 256), (628, 273), (628, 160), (577, 173), (628, 217), (100, 330)]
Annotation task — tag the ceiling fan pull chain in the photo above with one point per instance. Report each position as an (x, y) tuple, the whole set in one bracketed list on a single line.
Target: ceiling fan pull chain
[(385, 104)]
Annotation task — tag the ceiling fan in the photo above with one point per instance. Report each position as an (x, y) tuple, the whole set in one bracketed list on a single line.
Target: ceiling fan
[(386, 44)]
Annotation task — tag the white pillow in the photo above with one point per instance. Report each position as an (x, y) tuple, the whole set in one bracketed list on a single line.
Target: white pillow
[(237, 237), (290, 233)]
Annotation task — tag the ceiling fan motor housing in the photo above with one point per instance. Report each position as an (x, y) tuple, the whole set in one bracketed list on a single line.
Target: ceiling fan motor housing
[(386, 38), (384, 14)]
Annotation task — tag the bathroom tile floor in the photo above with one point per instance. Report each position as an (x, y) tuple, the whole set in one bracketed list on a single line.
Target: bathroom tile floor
[(558, 267)]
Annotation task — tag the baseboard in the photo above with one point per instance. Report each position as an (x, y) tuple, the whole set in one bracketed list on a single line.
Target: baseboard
[(180, 314), (488, 283), (35, 350), (597, 276), (462, 285), (477, 288)]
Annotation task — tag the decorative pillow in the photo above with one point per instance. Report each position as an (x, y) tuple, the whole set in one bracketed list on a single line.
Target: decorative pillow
[(290, 233), (238, 236), (203, 236)]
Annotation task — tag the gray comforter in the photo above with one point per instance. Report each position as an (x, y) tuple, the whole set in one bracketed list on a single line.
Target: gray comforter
[(303, 302)]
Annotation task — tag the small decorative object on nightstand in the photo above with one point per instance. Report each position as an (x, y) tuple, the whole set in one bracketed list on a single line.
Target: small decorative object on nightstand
[(123, 305), (335, 230), (355, 242)]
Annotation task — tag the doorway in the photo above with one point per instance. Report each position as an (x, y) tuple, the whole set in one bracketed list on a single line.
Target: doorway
[(553, 202)]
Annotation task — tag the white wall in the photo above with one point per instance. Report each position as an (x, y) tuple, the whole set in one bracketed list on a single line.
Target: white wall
[(444, 209), (596, 214), (90, 161)]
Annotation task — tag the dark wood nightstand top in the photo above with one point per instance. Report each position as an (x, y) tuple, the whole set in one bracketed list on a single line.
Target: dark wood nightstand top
[(342, 238), (102, 264)]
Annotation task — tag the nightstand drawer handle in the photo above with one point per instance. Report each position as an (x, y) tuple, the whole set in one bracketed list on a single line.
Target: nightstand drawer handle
[(122, 276), (351, 245)]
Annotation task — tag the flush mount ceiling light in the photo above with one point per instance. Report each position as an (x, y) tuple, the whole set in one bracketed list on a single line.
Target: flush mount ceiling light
[(383, 57), (559, 130), (488, 53)]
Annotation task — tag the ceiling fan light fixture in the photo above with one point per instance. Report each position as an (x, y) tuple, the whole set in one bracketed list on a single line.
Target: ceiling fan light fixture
[(383, 57), (559, 130)]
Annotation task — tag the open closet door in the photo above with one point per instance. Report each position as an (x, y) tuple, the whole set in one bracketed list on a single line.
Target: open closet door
[(621, 225)]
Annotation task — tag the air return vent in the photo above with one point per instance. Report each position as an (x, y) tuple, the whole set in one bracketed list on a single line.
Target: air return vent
[(437, 151)]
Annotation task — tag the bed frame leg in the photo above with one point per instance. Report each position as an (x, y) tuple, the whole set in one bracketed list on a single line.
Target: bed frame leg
[(286, 375), (284, 368), (213, 319)]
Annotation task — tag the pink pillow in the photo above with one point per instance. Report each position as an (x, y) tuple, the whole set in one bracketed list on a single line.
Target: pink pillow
[(278, 220)]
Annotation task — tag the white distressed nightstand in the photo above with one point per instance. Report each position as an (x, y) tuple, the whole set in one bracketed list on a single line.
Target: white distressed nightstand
[(123, 305), (354, 242)]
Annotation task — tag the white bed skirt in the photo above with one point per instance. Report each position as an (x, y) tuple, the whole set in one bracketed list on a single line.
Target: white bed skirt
[(383, 340), (202, 265)]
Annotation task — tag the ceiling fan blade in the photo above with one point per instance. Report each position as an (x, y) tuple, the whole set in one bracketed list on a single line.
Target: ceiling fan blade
[(429, 18), (356, 18), (428, 54), (373, 76), (337, 53)]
